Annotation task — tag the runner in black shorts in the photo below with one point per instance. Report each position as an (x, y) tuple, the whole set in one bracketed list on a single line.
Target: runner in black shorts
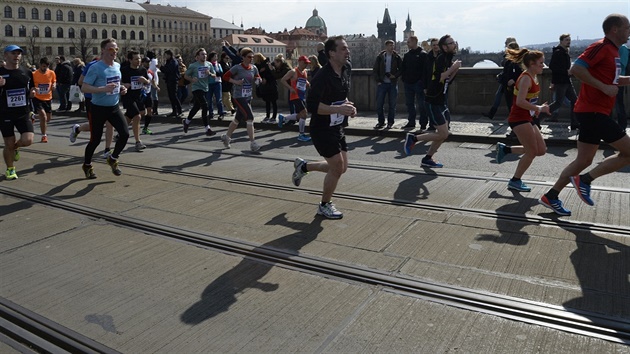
[(329, 106), (16, 90), (134, 77)]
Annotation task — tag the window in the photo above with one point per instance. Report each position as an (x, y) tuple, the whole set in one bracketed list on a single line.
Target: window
[(152, 23), (94, 34), (35, 31), (196, 28), (170, 38), (141, 21), (59, 50), (104, 18), (123, 34), (8, 12), (104, 36), (83, 33), (163, 24), (159, 37), (114, 19), (132, 35), (94, 51), (21, 12), (141, 35), (71, 32), (35, 14), (123, 19), (59, 15), (47, 15), (94, 17), (159, 24), (175, 25), (82, 17), (114, 34), (22, 31), (8, 31), (47, 32), (59, 32), (170, 25), (48, 50), (73, 51), (153, 36), (132, 20), (71, 16)]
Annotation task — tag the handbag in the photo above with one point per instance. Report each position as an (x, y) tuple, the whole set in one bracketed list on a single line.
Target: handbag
[(76, 96)]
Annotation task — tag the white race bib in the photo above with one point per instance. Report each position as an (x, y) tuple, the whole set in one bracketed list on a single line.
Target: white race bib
[(135, 83), (336, 118), (202, 72), (115, 80), (43, 89), (16, 98), (247, 90)]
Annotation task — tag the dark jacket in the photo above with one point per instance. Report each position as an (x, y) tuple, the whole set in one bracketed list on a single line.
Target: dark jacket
[(269, 90), (379, 67), (226, 86), (64, 73), (413, 64), (511, 71), (560, 64), (233, 54), (322, 58), (428, 68), (77, 70), (170, 69)]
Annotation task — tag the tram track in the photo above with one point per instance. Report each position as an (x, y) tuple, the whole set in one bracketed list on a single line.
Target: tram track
[(595, 325)]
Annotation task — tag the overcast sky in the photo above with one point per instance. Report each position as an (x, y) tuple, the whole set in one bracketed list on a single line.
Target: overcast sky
[(481, 25)]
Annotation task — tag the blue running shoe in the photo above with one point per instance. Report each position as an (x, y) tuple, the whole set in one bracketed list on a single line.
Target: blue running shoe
[(409, 143), (518, 186), (555, 205), (431, 163), (583, 190), (500, 152), (303, 137), (280, 120)]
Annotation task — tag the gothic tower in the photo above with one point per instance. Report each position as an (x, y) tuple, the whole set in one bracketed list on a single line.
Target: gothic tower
[(408, 32), (387, 29)]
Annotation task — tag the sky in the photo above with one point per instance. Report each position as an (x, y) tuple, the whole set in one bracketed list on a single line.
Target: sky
[(481, 25)]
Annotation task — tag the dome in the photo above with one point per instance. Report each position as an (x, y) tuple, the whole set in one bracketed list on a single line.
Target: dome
[(316, 23)]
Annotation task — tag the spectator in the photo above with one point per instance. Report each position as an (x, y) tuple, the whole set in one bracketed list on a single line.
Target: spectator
[(268, 89), (560, 81), (387, 69), (321, 56), (226, 86), (78, 65), (182, 83), (64, 74), (412, 76), (171, 75)]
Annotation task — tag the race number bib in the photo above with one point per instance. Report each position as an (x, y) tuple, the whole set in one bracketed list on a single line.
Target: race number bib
[(115, 80), (135, 83), (247, 90), (617, 71), (42, 89), (335, 118), (533, 101), (202, 72), (300, 85), (16, 98)]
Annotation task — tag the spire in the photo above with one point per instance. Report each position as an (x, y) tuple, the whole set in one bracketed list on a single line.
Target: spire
[(315, 13), (408, 23), (386, 19)]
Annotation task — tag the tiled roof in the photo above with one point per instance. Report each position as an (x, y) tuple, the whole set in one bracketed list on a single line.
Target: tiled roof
[(172, 10)]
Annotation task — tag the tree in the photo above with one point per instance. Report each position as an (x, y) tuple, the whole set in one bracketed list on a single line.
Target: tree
[(32, 50), (83, 46)]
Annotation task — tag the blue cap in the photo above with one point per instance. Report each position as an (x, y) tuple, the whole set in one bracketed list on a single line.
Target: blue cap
[(12, 47)]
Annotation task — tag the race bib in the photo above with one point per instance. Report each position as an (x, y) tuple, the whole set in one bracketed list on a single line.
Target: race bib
[(16, 98), (247, 90), (135, 83), (300, 85), (42, 89), (617, 71), (115, 80), (533, 101), (335, 118), (202, 72)]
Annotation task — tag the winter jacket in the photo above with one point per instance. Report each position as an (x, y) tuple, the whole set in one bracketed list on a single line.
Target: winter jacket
[(413, 64), (560, 64), (379, 67)]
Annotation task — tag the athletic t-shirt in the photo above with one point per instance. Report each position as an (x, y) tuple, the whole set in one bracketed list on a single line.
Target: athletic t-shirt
[(518, 114), (14, 95), (602, 61), (101, 74), (43, 84), (132, 76), (249, 75), (202, 72)]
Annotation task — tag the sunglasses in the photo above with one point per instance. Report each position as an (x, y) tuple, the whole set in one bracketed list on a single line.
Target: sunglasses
[(113, 49)]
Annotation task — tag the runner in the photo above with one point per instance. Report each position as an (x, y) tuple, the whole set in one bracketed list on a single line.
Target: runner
[(297, 87), (134, 77), (146, 94), (329, 105), (199, 74), (45, 81), (16, 90)]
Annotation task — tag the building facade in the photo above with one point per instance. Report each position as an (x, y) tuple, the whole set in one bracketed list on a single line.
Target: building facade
[(299, 41), (386, 29), (316, 24), (268, 46), (221, 28)]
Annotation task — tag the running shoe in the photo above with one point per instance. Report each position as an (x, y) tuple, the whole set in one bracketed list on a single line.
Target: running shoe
[(89, 171), (10, 174), (254, 146), (431, 163), (272, 121), (146, 131), (555, 205), (106, 153), (303, 137), (226, 141), (210, 132), (583, 190), (44, 139), (16, 155), (280, 120), (186, 125), (220, 117), (329, 211), (140, 146), (74, 131), (500, 152), (409, 143), (113, 163), (298, 173), (518, 186), (265, 120)]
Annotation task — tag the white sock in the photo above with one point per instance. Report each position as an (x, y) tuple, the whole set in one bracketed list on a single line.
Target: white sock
[(291, 117), (302, 124), (208, 127)]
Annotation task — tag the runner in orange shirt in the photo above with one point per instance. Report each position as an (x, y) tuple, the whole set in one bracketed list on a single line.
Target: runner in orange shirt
[(45, 81)]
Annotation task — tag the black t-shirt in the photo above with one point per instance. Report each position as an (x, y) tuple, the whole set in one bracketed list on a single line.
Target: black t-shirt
[(327, 87), (437, 90), (15, 94), (131, 76)]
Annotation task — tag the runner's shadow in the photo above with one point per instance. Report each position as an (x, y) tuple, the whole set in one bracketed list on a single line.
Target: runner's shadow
[(224, 291), (510, 230), (413, 188), (602, 266), (206, 161)]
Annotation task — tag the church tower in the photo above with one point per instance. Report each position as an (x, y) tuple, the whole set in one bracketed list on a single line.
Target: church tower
[(408, 32), (387, 29)]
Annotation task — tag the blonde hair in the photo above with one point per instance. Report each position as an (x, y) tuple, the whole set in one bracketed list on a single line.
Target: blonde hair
[(314, 61), (259, 58)]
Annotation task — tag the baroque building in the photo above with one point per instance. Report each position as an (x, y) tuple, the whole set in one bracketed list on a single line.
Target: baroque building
[(316, 24)]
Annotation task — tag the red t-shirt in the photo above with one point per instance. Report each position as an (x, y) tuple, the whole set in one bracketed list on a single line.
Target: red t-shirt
[(603, 62), (518, 114)]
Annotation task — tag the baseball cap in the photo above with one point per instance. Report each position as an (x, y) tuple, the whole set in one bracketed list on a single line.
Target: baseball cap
[(304, 58), (12, 47), (146, 60)]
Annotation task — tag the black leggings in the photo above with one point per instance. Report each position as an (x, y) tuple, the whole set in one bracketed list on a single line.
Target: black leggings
[(98, 116), (269, 104), (199, 101)]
